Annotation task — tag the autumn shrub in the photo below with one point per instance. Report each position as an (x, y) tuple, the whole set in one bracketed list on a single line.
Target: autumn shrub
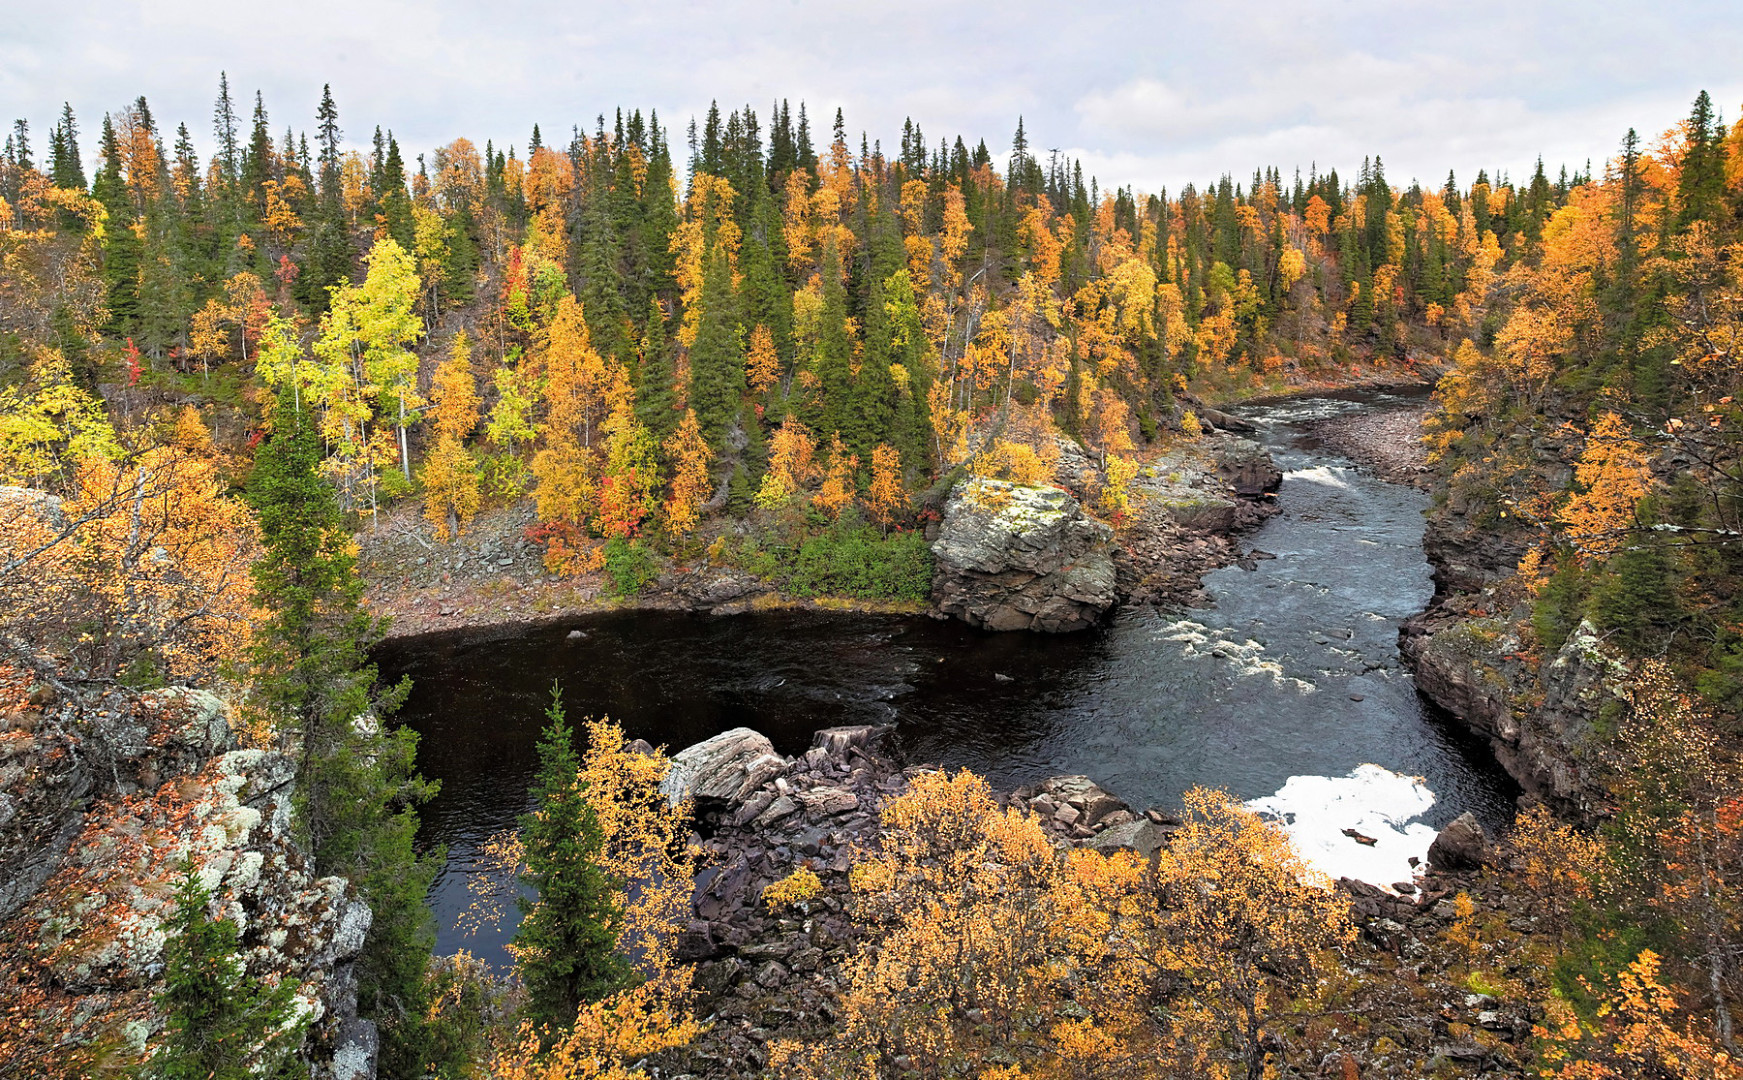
[(801, 886), (990, 948), (630, 566)]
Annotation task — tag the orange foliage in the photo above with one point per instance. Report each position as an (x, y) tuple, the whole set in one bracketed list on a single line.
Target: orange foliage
[(1613, 475)]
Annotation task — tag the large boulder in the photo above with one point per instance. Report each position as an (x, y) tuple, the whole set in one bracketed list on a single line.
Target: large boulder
[(1011, 557), (1463, 845), (720, 773), (1248, 468)]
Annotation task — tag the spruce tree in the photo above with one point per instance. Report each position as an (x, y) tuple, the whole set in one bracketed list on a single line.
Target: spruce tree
[(120, 244), (1700, 187), (357, 785), (655, 389), (218, 1023), (566, 946), (717, 358)]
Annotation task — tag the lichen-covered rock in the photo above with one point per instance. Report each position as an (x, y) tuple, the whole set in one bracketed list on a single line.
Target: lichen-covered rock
[(111, 793), (1011, 557)]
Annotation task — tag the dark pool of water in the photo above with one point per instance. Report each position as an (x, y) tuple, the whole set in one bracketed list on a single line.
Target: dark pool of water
[(1259, 688)]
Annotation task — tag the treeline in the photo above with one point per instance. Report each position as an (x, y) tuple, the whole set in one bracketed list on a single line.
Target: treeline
[(640, 350)]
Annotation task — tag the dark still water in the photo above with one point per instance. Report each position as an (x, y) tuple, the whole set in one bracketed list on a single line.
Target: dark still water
[(1294, 673)]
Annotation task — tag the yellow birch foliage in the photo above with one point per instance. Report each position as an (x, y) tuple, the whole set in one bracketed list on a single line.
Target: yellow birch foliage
[(454, 394), (1244, 920), (1116, 489), (791, 449), (762, 365), (985, 930), (1613, 475), (148, 560), (886, 497), (1557, 861), (836, 492), (451, 492), (1636, 1033), (689, 454)]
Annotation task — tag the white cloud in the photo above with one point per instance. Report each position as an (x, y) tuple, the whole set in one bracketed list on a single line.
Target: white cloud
[(1149, 92)]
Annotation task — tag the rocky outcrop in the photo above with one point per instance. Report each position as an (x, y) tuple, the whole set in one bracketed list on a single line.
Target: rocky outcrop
[(1248, 468), (1539, 724), (105, 798), (1011, 557)]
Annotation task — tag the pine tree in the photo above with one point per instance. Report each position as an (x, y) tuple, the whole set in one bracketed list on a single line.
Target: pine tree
[(566, 947), (218, 1023)]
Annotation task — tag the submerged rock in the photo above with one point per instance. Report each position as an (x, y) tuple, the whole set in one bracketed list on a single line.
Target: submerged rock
[(1011, 557)]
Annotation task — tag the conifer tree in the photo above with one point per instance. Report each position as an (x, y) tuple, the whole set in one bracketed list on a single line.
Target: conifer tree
[(717, 358), (218, 1023), (357, 785), (120, 245), (655, 399), (566, 947)]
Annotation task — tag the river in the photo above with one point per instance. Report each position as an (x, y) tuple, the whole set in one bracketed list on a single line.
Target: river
[(1288, 689)]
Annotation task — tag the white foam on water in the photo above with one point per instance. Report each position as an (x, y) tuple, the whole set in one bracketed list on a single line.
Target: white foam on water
[(1373, 801), (1330, 476), (1246, 658)]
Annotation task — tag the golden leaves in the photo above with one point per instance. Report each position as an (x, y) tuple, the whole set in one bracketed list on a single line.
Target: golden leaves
[(1613, 476), (689, 454), (791, 450)]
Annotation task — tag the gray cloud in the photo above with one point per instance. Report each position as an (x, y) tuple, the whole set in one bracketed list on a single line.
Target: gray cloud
[(1149, 94)]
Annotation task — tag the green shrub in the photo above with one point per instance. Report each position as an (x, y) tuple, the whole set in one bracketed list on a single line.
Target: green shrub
[(630, 566), (852, 559), (1556, 611)]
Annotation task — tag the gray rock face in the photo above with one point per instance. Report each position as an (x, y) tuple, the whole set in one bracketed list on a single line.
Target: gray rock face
[(1460, 846), (1463, 667), (721, 772), (1022, 558)]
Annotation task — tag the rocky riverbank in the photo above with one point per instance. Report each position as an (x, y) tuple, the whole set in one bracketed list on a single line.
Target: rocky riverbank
[(1387, 443), (768, 973), (1475, 655), (1188, 503)]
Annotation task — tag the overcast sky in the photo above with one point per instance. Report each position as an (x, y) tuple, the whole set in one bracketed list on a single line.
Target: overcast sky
[(1149, 94)]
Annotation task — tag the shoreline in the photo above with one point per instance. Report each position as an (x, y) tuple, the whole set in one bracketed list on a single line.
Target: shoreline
[(491, 580), (1387, 443)]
